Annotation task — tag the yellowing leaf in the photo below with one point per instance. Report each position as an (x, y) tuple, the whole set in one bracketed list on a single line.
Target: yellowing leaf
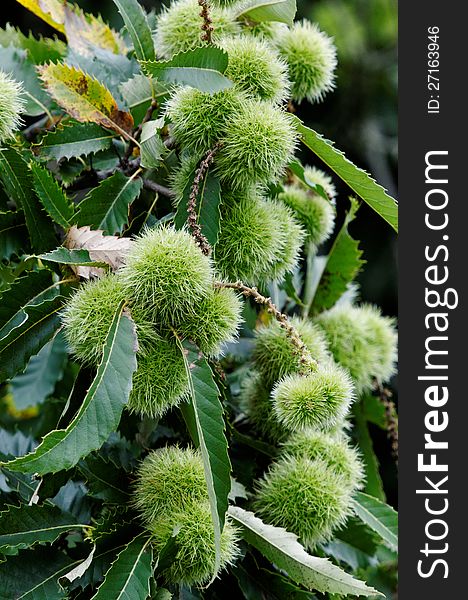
[(102, 248), (84, 98), (50, 11), (84, 31)]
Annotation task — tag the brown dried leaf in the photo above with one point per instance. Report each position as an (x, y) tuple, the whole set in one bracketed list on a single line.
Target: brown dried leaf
[(102, 248)]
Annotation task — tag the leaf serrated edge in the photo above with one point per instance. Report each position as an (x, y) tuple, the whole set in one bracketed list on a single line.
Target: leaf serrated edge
[(41, 70), (143, 548)]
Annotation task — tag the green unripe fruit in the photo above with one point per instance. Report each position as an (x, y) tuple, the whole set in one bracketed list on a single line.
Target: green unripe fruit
[(215, 321), (311, 58), (179, 27), (254, 66), (334, 450), (385, 340), (318, 400), (199, 119), (194, 562), (166, 273), (256, 402), (318, 177), (361, 340), (274, 354), (315, 214), (250, 240), (169, 480), (258, 144), (304, 496), (11, 105), (88, 316), (160, 380), (292, 238), (183, 176)]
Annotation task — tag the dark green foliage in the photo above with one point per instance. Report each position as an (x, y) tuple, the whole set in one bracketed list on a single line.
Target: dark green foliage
[(150, 399)]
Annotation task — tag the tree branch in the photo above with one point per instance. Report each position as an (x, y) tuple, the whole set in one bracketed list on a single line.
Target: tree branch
[(207, 22), (307, 363), (192, 217), (158, 188)]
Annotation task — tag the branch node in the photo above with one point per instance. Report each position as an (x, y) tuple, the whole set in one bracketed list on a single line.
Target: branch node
[(304, 356)]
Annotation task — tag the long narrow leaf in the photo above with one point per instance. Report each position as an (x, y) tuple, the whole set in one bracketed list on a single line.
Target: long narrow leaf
[(130, 573), (282, 548), (74, 140), (100, 412), (204, 416), (201, 68), (23, 526), (380, 517), (358, 180), (51, 195), (106, 206), (342, 265), (19, 186), (137, 26), (38, 326)]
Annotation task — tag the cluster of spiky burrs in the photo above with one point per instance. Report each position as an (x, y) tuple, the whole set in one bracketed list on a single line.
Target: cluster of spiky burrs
[(260, 237), (168, 284)]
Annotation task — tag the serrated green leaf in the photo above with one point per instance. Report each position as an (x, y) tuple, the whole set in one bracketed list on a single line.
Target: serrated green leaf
[(106, 206), (137, 26), (40, 323), (41, 375), (282, 548), (208, 204), (152, 147), (34, 575), (64, 256), (33, 288), (342, 265), (380, 517), (18, 184), (51, 195), (129, 575), (13, 234), (283, 11), (85, 98), (23, 526), (204, 417), (39, 50), (201, 68), (104, 479), (74, 140), (100, 413), (358, 180)]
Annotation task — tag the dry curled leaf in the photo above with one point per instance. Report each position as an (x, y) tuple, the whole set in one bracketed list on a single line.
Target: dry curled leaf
[(102, 248)]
